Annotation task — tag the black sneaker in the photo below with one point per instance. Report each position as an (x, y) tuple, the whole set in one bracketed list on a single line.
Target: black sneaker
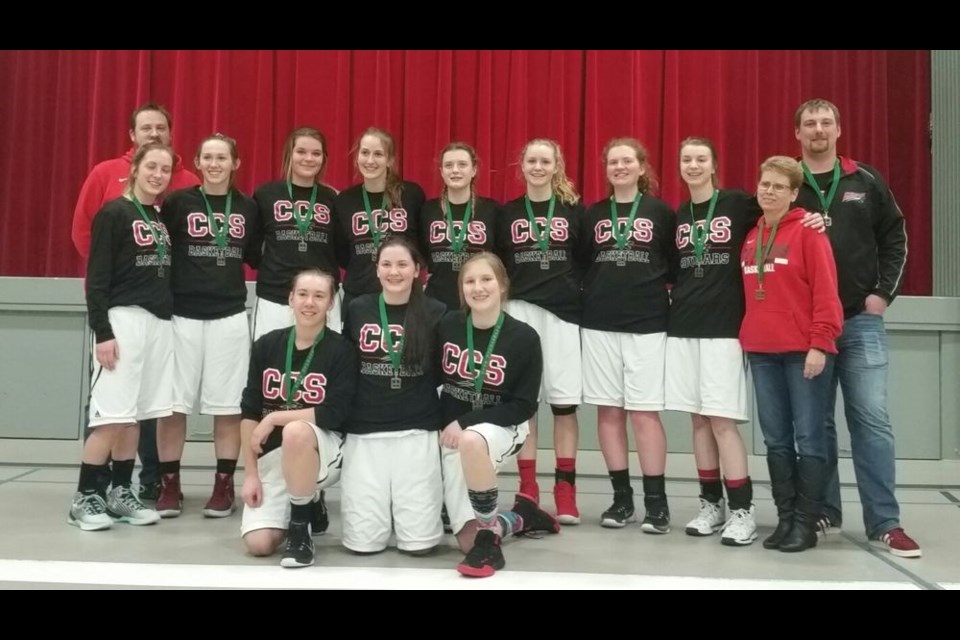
[(657, 517), (534, 518), (321, 519), (299, 551), (150, 491), (620, 513), (486, 557)]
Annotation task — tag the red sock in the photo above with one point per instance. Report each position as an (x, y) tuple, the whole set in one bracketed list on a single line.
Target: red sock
[(710, 487), (528, 471), (709, 475), (734, 484), (566, 464)]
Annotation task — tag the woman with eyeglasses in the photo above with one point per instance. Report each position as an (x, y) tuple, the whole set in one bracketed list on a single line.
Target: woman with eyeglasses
[(793, 319)]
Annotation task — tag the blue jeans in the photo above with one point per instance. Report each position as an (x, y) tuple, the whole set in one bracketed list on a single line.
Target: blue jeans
[(861, 370), (792, 409)]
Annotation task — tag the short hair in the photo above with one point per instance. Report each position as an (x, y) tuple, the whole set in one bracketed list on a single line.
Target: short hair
[(150, 106), (785, 166), (816, 104)]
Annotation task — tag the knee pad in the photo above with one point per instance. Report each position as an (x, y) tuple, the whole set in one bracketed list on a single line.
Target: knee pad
[(564, 411)]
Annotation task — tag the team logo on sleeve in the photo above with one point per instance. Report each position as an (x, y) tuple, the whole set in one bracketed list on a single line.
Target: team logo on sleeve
[(313, 391)]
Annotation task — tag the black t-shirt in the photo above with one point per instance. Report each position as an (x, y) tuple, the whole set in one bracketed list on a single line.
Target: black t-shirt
[(124, 268), (712, 306), (378, 407), (203, 288), (512, 380), (328, 388), (282, 240), (443, 262), (624, 290), (354, 227), (549, 280)]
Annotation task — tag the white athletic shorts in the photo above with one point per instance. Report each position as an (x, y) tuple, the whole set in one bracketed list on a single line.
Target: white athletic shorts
[(503, 443), (391, 482), (274, 511), (140, 387)]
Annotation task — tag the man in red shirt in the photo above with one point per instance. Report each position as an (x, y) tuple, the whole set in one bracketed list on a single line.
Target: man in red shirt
[(150, 122)]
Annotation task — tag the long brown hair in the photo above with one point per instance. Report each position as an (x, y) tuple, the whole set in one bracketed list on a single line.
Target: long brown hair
[(694, 141), (234, 155), (419, 335), (286, 167), (458, 146), (394, 183)]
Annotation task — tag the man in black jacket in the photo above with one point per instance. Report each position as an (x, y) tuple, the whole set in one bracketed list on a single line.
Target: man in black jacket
[(869, 239)]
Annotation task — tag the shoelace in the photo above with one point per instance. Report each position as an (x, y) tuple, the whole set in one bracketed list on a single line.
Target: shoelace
[(92, 505), (127, 498), (708, 511), (738, 518), (620, 509), (299, 544), (299, 538)]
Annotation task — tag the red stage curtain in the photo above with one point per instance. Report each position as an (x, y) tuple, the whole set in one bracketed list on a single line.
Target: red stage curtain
[(63, 111)]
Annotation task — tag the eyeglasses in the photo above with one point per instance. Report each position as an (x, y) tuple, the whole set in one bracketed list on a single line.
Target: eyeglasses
[(778, 189)]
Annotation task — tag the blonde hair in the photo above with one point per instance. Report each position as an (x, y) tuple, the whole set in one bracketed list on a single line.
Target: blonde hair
[(560, 184), (138, 157), (499, 272), (785, 166)]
